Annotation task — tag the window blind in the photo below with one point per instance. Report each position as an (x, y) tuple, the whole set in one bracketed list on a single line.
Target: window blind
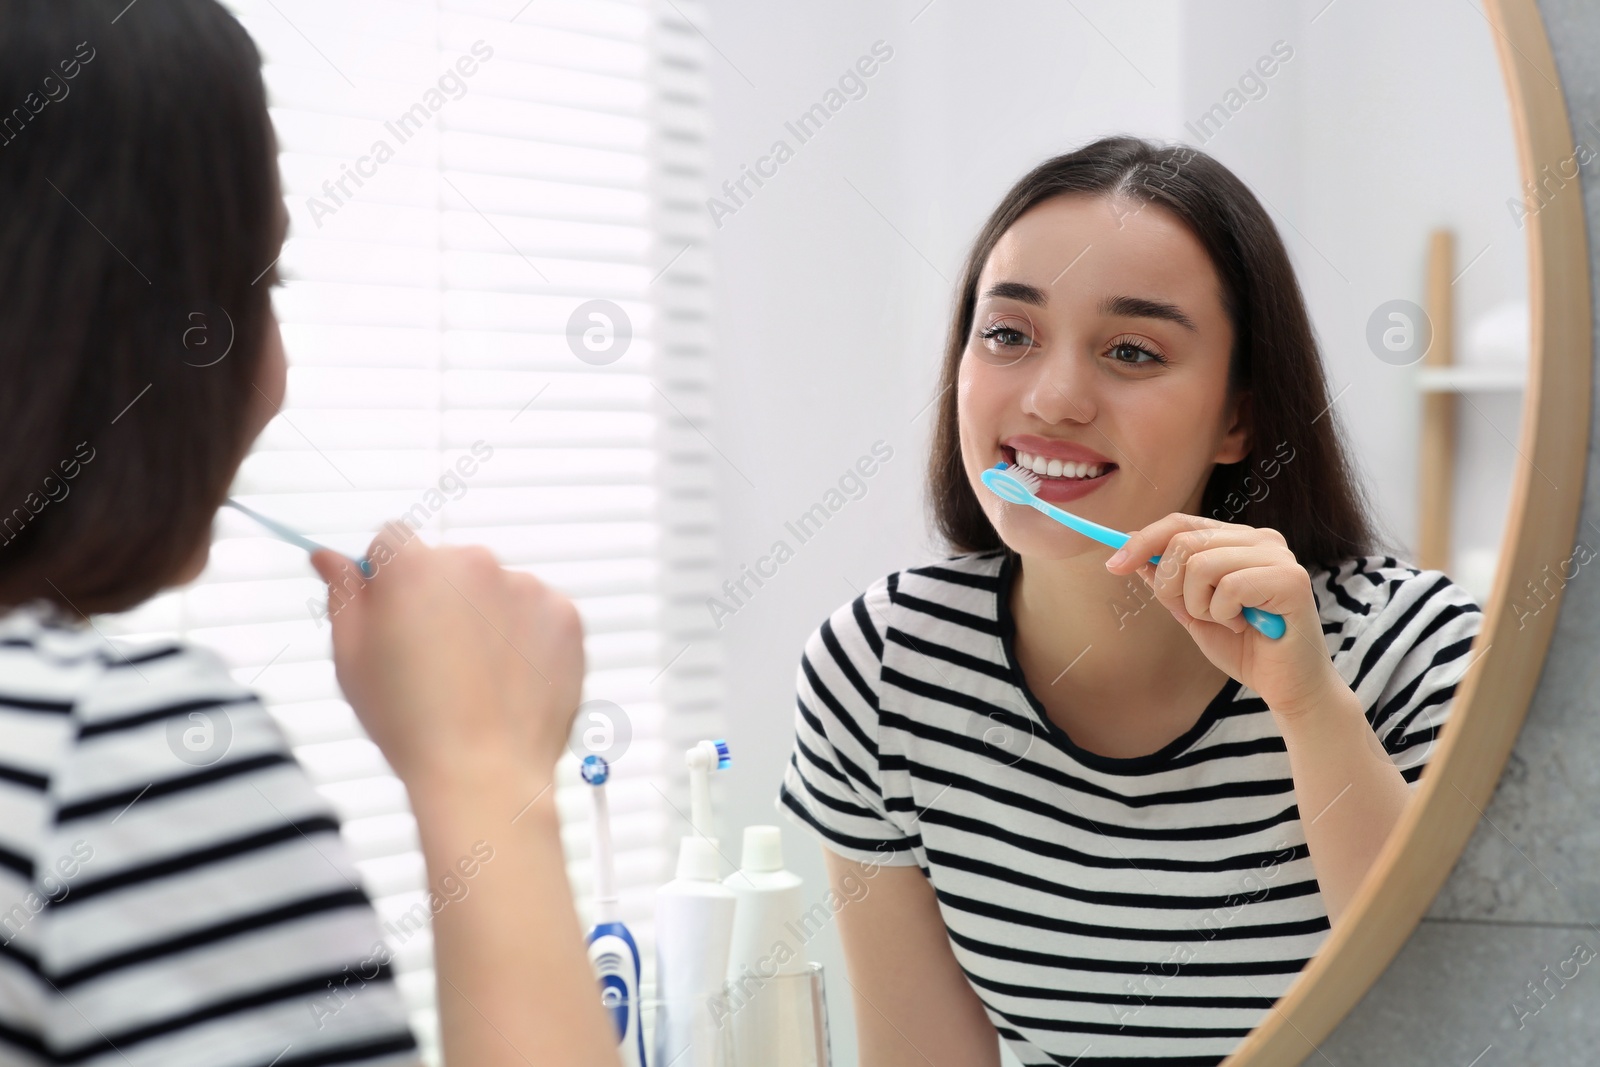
[(464, 178)]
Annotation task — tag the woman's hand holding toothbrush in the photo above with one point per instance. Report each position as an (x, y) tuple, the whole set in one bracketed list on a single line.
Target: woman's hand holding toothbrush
[(458, 668), (467, 676), (1208, 571)]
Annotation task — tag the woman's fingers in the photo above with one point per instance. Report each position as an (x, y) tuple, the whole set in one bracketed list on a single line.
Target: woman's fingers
[(392, 541), (1216, 583), (1238, 566), (336, 569), (451, 661), (1155, 539), (345, 584), (1267, 588)]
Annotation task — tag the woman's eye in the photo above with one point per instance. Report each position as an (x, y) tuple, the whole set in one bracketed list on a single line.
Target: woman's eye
[(1136, 349), (1004, 336)]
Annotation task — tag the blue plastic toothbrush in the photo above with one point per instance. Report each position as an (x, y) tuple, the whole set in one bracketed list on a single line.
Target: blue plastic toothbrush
[(1018, 485), (294, 538)]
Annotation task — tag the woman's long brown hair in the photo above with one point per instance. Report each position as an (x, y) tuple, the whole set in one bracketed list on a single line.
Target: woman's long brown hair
[(141, 218)]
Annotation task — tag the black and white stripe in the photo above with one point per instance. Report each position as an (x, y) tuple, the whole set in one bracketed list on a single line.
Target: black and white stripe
[(1107, 911), (157, 911)]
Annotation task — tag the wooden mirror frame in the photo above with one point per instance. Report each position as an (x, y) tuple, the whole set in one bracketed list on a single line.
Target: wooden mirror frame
[(1492, 698)]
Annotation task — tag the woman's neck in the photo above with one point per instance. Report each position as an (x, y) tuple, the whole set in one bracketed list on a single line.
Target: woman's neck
[(1106, 659)]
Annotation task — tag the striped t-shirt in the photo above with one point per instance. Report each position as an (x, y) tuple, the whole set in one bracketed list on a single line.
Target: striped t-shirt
[(173, 891), (1107, 911)]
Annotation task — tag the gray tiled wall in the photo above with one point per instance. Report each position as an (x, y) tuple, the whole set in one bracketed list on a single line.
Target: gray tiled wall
[(1505, 969)]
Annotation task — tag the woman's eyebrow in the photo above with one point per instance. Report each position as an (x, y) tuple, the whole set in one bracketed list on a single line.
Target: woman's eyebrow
[(1027, 294), (1138, 307), (1130, 307)]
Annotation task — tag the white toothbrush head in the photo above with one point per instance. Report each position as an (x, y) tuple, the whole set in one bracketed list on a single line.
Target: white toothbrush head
[(702, 760), (1011, 483), (709, 756)]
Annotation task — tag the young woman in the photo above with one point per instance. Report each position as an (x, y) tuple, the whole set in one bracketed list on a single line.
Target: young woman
[(162, 909), (1100, 814)]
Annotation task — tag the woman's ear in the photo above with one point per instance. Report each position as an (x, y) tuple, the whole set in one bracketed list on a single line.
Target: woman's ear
[(1235, 444)]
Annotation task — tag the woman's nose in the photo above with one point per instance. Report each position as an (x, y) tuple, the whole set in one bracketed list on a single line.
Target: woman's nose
[(1062, 387)]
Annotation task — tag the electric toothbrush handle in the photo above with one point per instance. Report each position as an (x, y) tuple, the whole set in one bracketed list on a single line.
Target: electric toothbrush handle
[(1268, 623)]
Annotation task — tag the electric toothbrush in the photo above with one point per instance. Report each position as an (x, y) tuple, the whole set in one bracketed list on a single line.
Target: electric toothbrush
[(694, 928), (612, 950), (702, 759)]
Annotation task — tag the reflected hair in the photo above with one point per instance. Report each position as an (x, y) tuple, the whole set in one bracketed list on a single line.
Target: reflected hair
[(145, 196), (1315, 500)]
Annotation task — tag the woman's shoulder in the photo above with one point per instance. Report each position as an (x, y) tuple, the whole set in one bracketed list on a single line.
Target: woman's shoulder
[(964, 584), (1381, 595), (121, 707), (954, 591), (39, 630), (968, 583), (64, 660), (158, 786), (1402, 637)]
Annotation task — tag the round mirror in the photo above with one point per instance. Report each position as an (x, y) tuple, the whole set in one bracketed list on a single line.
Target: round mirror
[(1446, 283)]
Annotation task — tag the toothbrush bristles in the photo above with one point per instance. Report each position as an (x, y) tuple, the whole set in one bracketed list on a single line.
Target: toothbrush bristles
[(1028, 478), (724, 760), (594, 769)]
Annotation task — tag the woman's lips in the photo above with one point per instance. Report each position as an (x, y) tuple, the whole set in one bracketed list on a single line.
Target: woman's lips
[(1060, 489), (1053, 448)]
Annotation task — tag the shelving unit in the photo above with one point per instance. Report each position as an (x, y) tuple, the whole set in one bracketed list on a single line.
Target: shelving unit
[(1459, 379), (1441, 381)]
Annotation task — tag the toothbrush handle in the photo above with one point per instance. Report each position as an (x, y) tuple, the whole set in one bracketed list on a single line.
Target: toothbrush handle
[(294, 537), (1104, 534), (1268, 623)]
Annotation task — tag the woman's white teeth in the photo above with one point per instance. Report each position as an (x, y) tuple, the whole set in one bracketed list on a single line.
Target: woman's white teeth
[(1055, 468)]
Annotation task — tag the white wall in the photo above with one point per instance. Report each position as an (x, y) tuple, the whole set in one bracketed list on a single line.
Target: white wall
[(833, 279)]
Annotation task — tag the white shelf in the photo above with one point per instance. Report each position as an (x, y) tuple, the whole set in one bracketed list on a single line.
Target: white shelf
[(1469, 379)]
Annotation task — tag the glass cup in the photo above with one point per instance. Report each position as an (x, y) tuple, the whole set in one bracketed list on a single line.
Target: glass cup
[(758, 1020), (696, 1032), (780, 1020)]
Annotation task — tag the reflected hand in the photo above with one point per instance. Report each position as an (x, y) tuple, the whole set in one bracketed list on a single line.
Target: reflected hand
[(1209, 572)]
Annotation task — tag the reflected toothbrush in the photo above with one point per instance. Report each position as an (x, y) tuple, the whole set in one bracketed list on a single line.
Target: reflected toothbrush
[(612, 950), (702, 759), (295, 538), (1018, 485)]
